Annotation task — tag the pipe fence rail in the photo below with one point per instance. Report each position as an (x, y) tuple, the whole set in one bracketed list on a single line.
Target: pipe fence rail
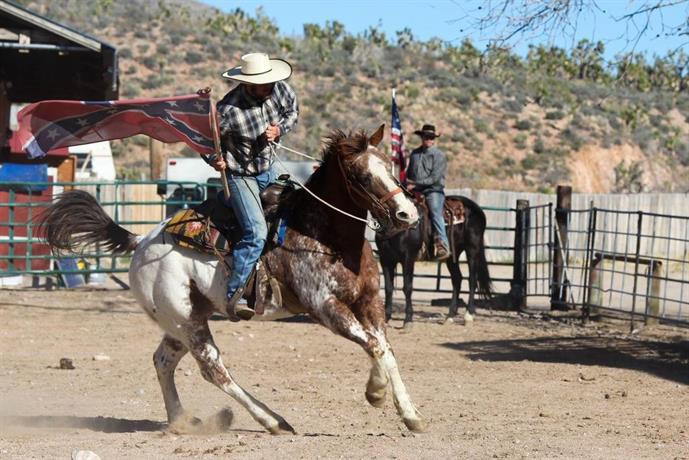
[(597, 260)]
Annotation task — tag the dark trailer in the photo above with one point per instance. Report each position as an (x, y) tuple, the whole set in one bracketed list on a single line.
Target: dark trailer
[(41, 59)]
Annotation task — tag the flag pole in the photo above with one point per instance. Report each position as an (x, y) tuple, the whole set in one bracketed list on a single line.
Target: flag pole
[(213, 118), (218, 152), (393, 170)]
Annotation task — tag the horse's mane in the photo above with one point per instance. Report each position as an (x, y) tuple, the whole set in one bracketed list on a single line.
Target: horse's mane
[(339, 142), (348, 144)]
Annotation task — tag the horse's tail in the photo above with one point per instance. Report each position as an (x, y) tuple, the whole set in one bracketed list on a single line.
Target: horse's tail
[(76, 219), (477, 220), (485, 287)]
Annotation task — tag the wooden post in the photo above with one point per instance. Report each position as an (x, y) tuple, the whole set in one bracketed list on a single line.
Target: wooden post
[(158, 159), (655, 270), (518, 287), (558, 296)]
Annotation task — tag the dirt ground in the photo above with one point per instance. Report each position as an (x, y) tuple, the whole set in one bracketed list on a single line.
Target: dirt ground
[(509, 386)]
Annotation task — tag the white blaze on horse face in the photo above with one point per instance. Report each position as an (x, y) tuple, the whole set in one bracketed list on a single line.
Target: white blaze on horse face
[(406, 211)]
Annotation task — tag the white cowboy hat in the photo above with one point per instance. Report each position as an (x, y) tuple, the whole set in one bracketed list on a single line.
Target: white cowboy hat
[(259, 69)]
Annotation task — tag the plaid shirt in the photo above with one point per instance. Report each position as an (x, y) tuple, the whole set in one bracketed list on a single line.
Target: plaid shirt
[(243, 121)]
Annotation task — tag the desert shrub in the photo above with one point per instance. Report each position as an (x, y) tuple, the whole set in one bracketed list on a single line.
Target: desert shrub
[(644, 136), (130, 89), (570, 137), (150, 62), (142, 48), (615, 122), (512, 105), (682, 153), (124, 52), (412, 91), (193, 57), (520, 141), (501, 125), (628, 178), (155, 81), (482, 126), (579, 122), (140, 140), (554, 115), (523, 125), (539, 146), (163, 49), (175, 37)]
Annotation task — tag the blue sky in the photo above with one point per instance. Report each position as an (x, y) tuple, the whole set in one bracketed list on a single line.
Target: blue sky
[(450, 20)]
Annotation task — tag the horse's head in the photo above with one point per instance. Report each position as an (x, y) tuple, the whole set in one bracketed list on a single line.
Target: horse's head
[(368, 179)]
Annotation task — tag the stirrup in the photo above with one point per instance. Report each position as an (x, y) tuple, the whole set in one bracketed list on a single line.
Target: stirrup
[(243, 311), (441, 253), (236, 310)]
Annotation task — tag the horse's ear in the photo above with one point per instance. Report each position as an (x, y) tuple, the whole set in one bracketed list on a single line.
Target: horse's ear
[(375, 139)]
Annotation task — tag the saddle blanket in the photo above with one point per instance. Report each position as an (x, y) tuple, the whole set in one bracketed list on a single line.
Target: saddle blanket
[(195, 231)]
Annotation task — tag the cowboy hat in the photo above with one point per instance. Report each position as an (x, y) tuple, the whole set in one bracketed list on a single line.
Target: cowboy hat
[(259, 69), (427, 131)]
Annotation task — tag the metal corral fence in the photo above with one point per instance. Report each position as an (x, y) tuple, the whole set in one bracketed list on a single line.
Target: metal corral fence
[(137, 205), (590, 252), (626, 262)]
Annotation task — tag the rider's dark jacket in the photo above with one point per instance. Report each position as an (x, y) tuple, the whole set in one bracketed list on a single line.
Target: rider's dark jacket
[(427, 168)]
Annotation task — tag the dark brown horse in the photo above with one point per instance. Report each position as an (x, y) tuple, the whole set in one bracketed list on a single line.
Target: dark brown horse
[(325, 268), (403, 247)]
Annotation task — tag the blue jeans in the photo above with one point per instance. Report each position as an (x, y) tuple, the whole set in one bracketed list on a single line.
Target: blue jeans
[(436, 201), (246, 203)]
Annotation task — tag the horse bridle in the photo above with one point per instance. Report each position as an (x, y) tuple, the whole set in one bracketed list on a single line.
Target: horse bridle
[(356, 188)]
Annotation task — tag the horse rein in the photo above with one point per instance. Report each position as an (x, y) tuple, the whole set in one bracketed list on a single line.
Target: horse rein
[(372, 224), (372, 200)]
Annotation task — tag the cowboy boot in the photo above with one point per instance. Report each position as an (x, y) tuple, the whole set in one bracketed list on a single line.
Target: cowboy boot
[(238, 309), (441, 251)]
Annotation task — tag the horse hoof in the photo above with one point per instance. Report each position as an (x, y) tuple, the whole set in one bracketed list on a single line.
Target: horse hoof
[(416, 425), (468, 319), (282, 428), (185, 424), (408, 325), (448, 320), (222, 420), (376, 400)]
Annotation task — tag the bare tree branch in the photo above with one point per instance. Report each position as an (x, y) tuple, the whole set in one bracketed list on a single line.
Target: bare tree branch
[(511, 20)]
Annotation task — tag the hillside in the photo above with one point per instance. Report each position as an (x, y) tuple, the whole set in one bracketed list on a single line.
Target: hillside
[(507, 122)]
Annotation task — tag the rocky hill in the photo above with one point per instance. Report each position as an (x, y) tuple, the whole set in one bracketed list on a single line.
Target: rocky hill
[(507, 122)]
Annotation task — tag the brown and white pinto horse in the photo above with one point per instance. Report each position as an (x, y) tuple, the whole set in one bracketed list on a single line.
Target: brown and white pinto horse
[(325, 268)]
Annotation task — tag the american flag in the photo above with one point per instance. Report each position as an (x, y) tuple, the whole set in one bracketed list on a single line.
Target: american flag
[(397, 140), (48, 125)]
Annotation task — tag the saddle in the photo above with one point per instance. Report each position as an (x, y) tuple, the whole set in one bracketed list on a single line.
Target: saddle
[(453, 213), (212, 228)]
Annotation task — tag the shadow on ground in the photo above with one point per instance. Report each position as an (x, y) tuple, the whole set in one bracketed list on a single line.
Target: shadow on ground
[(669, 361), (103, 424)]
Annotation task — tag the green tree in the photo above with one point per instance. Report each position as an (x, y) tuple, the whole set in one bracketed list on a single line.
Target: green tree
[(587, 58)]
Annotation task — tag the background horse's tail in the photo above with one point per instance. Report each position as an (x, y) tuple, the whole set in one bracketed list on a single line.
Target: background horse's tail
[(76, 219), (485, 287), (475, 228)]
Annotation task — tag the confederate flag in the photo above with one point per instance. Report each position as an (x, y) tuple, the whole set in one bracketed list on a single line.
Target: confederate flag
[(48, 125)]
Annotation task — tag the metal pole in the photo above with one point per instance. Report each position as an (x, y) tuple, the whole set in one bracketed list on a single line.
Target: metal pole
[(521, 255), (558, 298), (590, 244), (636, 267), (10, 232)]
